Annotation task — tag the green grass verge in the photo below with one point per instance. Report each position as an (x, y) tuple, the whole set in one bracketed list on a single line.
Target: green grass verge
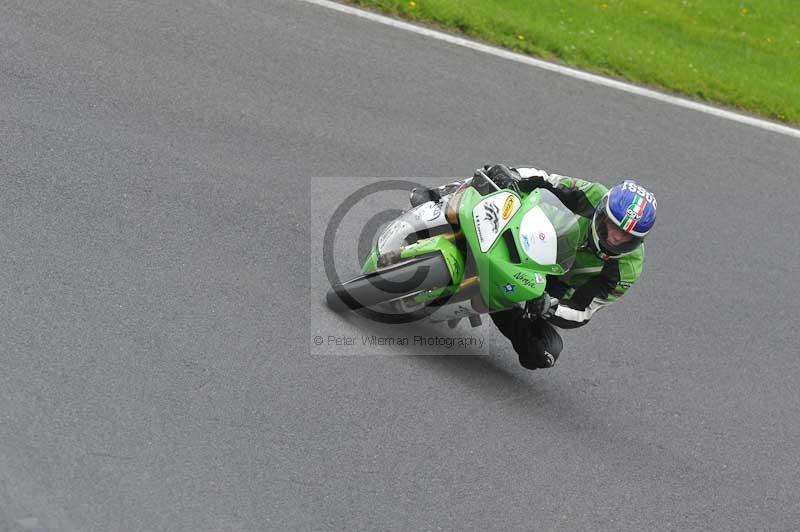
[(740, 54)]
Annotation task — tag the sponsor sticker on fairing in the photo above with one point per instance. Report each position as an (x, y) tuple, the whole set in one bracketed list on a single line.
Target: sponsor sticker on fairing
[(492, 215), (508, 207)]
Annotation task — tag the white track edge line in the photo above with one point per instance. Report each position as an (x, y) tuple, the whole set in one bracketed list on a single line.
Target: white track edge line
[(566, 71)]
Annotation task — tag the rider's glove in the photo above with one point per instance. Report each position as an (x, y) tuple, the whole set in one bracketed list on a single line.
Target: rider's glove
[(542, 307), (501, 175)]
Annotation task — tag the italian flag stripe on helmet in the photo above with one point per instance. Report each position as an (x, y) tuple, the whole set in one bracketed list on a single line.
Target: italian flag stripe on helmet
[(637, 208)]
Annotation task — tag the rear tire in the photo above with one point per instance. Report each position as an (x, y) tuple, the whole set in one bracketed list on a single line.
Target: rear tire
[(420, 273)]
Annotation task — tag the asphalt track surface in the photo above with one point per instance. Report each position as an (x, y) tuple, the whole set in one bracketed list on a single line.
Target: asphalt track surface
[(159, 279)]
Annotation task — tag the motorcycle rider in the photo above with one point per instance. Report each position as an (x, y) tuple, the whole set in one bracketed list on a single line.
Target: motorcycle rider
[(615, 222)]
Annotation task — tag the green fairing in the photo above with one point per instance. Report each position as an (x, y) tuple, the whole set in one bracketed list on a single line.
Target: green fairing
[(496, 269)]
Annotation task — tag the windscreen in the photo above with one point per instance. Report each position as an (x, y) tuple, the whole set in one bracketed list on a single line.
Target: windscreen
[(565, 223)]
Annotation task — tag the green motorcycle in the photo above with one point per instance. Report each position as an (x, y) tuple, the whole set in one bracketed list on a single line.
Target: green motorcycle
[(478, 250)]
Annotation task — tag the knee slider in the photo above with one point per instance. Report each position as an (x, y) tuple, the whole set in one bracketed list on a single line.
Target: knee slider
[(539, 360)]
